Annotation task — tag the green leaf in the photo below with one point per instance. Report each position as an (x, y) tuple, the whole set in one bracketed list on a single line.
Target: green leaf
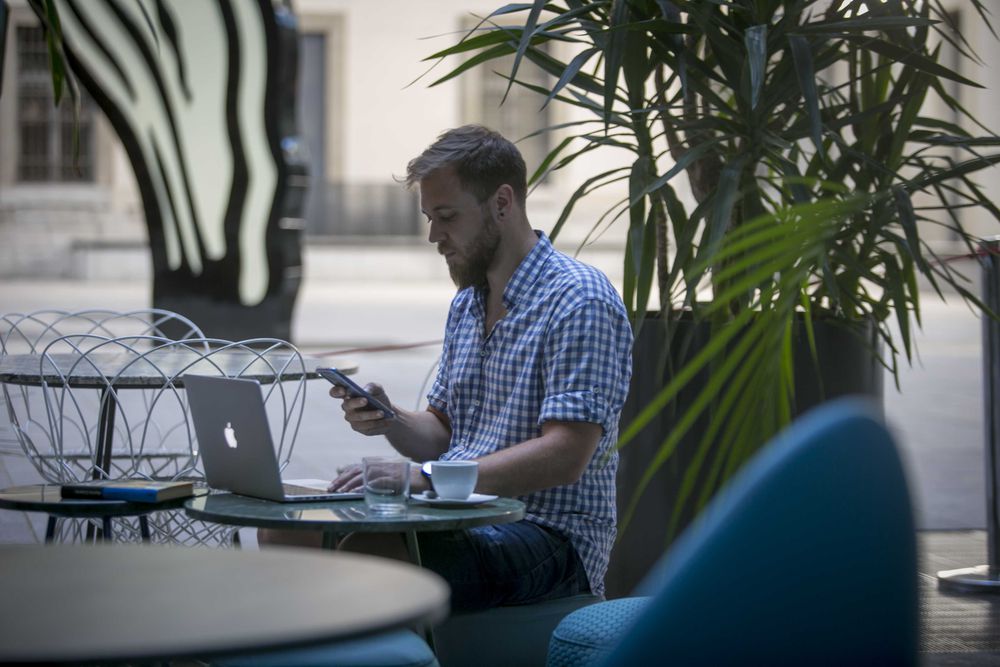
[(526, 36), (908, 220), (614, 54), (491, 37), (638, 178), (550, 65), (578, 194), (552, 155), (864, 24), (721, 214), (904, 123), (498, 51), (957, 171), (895, 284), (647, 264), (755, 40), (686, 160), (570, 73), (807, 324), (911, 59), (802, 58), (636, 69)]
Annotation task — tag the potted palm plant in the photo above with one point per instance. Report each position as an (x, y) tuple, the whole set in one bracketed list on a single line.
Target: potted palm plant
[(782, 162)]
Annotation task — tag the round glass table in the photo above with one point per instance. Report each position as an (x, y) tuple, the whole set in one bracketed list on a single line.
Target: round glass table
[(46, 498), (339, 517), (144, 603)]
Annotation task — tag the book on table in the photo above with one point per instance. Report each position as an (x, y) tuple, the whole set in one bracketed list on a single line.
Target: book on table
[(131, 490)]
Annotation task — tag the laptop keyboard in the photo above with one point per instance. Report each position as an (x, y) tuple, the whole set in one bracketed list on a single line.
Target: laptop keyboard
[(295, 490)]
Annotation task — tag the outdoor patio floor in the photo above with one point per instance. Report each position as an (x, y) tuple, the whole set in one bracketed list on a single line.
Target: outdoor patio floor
[(957, 629)]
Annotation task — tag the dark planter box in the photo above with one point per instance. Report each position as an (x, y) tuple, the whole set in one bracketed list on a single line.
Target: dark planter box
[(848, 364)]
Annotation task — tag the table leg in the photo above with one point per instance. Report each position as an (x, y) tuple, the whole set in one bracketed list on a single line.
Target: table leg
[(413, 549), (105, 434), (329, 540), (50, 530), (102, 455), (144, 527)]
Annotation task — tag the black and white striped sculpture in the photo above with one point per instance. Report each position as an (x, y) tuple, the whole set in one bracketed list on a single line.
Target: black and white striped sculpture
[(202, 95)]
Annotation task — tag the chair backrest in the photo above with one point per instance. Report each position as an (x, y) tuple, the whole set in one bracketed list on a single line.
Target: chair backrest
[(27, 333), (807, 557)]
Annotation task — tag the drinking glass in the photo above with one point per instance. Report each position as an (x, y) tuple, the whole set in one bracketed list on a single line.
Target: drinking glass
[(387, 484)]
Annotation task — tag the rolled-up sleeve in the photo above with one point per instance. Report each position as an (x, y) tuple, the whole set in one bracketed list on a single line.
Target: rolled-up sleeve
[(587, 367), (437, 397)]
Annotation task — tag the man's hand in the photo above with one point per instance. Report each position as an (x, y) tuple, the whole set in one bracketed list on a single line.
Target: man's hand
[(350, 478), (363, 418)]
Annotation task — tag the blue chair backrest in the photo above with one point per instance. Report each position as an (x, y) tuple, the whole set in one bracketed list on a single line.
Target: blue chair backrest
[(808, 556)]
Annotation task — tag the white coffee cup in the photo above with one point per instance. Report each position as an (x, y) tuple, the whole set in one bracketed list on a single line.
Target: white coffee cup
[(454, 480)]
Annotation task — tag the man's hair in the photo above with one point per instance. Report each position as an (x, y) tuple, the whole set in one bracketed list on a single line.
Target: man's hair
[(482, 158)]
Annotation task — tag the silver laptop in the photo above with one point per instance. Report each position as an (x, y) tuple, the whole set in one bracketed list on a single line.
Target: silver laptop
[(235, 442)]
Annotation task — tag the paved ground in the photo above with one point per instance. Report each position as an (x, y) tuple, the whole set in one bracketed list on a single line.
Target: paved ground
[(937, 414)]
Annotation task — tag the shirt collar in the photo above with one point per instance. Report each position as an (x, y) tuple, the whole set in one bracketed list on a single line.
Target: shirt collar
[(528, 271)]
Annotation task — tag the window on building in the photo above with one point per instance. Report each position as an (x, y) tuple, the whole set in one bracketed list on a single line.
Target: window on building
[(338, 208), (53, 146), (520, 114)]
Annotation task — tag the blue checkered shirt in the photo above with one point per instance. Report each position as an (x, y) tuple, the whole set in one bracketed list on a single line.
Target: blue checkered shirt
[(563, 352)]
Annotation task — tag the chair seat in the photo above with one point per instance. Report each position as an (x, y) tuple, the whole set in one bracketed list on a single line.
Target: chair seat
[(586, 636), (504, 636), (394, 649)]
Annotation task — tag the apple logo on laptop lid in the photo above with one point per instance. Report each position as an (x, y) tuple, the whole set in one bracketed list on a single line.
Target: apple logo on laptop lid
[(230, 433)]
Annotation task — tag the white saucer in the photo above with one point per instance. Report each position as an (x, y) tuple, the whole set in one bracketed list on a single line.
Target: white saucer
[(474, 499)]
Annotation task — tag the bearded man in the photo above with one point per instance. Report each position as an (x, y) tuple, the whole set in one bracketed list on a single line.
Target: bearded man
[(534, 371)]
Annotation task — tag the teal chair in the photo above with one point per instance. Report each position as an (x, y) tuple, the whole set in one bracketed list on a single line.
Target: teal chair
[(402, 648), (511, 636), (807, 557)]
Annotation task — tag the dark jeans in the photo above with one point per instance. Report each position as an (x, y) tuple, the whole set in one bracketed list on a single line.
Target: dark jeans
[(514, 563)]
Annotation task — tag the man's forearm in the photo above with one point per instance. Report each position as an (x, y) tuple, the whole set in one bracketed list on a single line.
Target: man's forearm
[(557, 458), (418, 435)]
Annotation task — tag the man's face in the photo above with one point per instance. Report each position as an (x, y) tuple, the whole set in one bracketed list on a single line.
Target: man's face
[(462, 228)]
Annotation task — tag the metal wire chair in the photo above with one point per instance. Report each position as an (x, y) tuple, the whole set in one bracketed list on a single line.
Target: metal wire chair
[(30, 334), (140, 379), (137, 423)]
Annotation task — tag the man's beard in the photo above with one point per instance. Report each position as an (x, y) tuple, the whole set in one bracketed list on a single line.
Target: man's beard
[(468, 269)]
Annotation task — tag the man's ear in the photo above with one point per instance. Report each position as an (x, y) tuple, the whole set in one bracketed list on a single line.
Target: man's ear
[(503, 202)]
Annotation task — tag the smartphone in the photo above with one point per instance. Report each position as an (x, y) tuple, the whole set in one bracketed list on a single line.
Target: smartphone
[(341, 380)]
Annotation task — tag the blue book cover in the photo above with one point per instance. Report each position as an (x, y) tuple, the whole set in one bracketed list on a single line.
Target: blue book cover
[(131, 490)]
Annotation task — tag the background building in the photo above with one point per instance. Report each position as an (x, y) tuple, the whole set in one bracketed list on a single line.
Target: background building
[(365, 109)]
